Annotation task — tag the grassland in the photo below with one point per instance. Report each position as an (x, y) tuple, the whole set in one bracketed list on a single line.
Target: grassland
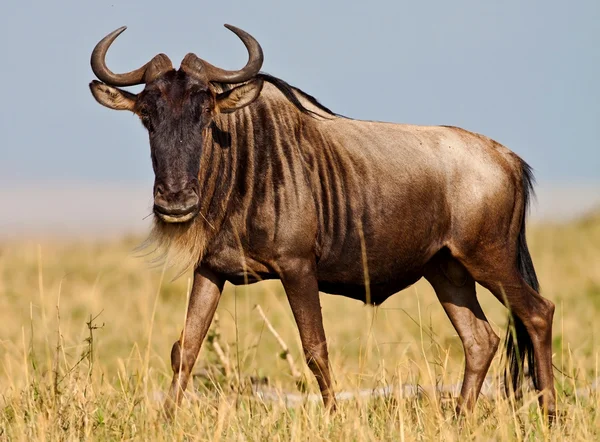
[(86, 331)]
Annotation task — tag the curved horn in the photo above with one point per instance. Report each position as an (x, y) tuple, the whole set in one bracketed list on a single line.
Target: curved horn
[(145, 74), (207, 71)]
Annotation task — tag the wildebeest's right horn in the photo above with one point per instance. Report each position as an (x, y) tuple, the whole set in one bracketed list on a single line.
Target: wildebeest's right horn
[(159, 64), (205, 70)]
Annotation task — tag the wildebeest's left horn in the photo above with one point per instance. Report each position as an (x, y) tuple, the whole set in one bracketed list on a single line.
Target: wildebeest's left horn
[(207, 71), (159, 64)]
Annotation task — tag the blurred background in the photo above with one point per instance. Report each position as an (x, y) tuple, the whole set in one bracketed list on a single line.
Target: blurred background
[(523, 73), (87, 326)]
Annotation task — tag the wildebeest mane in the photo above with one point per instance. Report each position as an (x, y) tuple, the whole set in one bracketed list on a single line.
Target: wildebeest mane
[(290, 92)]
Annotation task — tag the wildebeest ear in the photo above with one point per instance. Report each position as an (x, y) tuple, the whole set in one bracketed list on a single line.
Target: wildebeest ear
[(112, 97), (239, 96)]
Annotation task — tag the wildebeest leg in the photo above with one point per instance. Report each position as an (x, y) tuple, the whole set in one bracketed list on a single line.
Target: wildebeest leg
[(204, 298), (455, 288), (499, 274), (300, 283)]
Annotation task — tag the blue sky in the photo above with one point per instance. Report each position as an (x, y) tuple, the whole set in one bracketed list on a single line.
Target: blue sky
[(525, 73)]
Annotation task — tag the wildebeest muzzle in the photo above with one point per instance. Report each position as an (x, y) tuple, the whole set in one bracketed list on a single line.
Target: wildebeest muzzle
[(176, 204)]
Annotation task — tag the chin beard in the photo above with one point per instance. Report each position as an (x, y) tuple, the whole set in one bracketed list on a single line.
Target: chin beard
[(178, 245)]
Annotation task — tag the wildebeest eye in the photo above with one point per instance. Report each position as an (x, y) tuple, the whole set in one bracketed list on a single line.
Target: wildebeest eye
[(145, 117)]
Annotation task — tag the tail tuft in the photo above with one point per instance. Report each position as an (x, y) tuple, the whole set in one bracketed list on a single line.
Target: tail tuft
[(519, 347)]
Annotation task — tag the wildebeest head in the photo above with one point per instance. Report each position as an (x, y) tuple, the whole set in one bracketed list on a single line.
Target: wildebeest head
[(177, 108)]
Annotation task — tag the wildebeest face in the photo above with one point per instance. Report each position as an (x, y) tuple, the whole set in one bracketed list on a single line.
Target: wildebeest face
[(177, 108)]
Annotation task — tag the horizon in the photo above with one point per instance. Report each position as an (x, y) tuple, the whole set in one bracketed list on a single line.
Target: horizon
[(100, 210)]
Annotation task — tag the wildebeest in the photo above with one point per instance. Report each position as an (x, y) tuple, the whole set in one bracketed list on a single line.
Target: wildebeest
[(255, 180)]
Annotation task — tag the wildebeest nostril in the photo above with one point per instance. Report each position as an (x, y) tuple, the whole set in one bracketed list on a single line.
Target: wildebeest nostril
[(189, 193), (189, 197), (159, 189)]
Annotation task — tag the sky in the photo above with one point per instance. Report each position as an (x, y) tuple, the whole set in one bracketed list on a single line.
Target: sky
[(524, 73)]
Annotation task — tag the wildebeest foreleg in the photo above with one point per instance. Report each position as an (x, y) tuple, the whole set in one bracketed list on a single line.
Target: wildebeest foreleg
[(300, 283), (455, 288), (204, 299)]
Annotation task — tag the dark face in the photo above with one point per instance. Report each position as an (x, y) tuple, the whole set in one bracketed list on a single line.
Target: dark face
[(176, 109)]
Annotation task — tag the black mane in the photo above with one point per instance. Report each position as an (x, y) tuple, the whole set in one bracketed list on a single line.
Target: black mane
[(288, 91)]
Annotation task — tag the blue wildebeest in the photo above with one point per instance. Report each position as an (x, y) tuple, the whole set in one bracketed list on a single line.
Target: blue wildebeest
[(255, 179)]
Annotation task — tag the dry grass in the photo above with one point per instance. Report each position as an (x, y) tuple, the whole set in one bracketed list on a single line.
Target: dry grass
[(87, 330)]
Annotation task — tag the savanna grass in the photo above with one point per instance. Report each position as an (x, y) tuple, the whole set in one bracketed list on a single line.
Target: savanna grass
[(86, 332)]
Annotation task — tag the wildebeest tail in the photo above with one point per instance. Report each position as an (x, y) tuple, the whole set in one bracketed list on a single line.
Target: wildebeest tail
[(519, 347)]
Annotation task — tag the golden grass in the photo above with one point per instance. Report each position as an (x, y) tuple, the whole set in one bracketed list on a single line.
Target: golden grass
[(87, 329)]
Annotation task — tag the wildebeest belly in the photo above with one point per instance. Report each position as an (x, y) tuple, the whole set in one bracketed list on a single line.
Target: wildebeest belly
[(346, 277), (371, 279), (374, 294)]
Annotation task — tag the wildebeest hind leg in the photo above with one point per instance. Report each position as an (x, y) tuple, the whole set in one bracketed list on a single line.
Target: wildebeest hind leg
[(300, 283), (455, 288), (499, 273)]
